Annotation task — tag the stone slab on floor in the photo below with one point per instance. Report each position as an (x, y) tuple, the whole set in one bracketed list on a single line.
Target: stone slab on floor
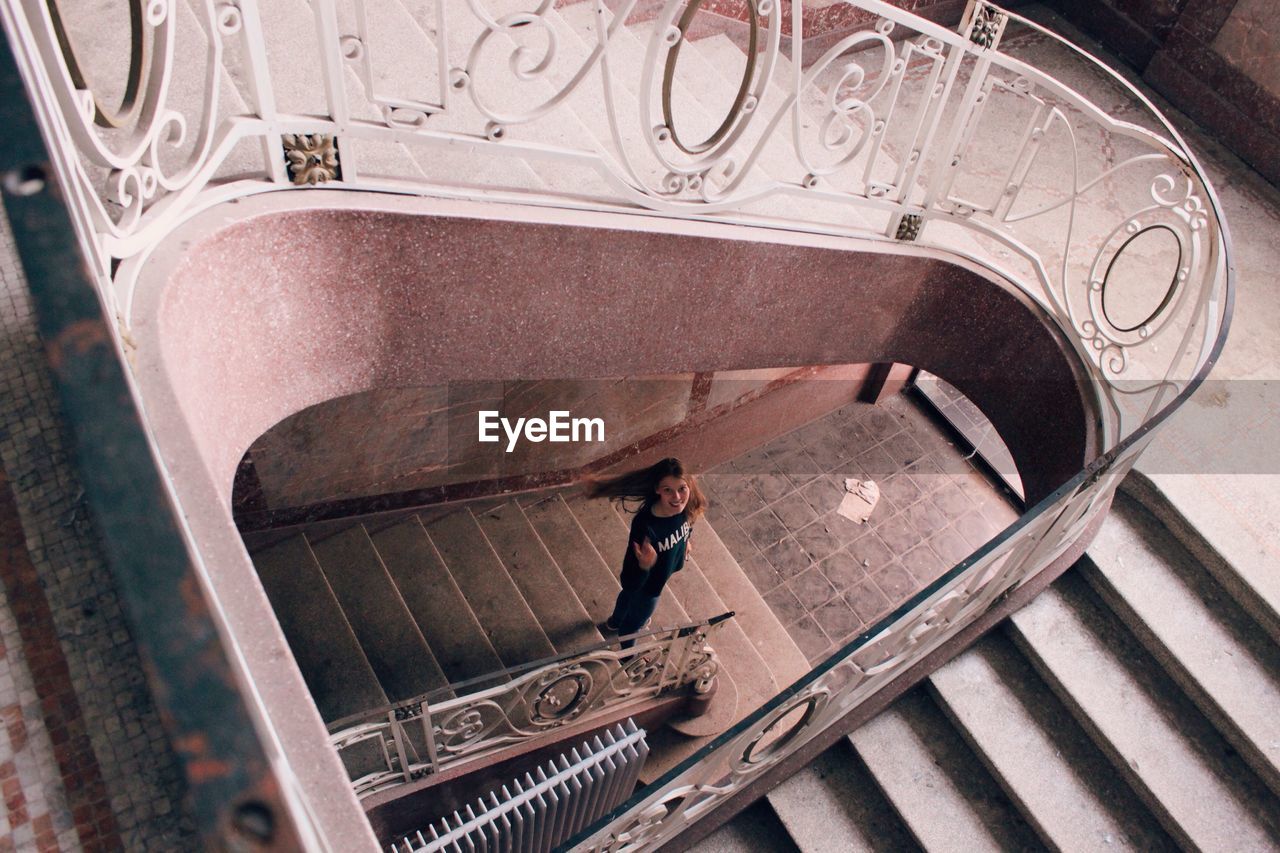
[(1044, 762)]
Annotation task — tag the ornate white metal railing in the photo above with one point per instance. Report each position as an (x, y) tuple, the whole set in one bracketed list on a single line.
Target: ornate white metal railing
[(902, 131), (392, 746)]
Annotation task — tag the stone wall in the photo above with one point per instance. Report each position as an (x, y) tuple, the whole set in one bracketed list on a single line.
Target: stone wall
[(543, 301), (1218, 61), (404, 444)]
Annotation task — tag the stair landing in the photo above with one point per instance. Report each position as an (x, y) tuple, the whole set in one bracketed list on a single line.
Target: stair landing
[(826, 578)]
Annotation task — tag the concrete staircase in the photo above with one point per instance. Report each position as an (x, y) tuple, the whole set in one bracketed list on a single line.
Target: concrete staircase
[(1133, 705), (392, 608)]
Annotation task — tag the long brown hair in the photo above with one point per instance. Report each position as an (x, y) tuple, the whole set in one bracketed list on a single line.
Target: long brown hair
[(642, 485)]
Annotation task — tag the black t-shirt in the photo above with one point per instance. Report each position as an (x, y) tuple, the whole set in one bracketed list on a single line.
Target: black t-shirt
[(669, 537)]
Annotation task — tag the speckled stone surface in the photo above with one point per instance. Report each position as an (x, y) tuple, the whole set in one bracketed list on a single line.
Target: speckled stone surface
[(505, 299), (420, 437), (419, 446), (1215, 60), (1250, 41)]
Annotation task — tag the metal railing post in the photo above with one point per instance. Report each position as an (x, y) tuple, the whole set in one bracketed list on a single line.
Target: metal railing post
[(429, 734), (397, 734)]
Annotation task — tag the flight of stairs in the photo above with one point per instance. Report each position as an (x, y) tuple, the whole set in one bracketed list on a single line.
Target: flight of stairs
[(1133, 705), (391, 608)]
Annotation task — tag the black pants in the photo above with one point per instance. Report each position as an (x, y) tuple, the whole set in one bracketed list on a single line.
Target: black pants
[(632, 610)]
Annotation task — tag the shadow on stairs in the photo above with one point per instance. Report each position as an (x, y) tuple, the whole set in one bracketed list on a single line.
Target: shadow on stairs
[(391, 608)]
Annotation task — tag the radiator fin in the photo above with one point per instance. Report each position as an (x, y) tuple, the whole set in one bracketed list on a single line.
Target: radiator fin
[(546, 807)]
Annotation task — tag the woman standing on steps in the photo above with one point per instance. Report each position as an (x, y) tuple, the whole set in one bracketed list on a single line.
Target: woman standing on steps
[(670, 503)]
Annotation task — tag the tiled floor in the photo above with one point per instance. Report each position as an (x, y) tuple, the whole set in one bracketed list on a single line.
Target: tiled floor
[(826, 577), (84, 762)]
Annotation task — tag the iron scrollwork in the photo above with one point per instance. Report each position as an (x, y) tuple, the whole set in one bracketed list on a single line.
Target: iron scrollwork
[(569, 690)]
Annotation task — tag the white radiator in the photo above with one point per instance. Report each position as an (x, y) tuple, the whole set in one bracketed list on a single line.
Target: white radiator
[(548, 806)]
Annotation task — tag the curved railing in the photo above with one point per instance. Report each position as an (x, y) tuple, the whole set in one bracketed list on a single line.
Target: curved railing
[(902, 132), (464, 721)]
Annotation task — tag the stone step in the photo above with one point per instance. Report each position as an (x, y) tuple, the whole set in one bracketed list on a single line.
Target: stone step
[(1198, 787), (726, 59), (627, 52), (833, 805), (586, 101), (510, 97), (377, 614), (609, 535), (716, 65), (404, 60), (778, 156), (561, 128), (584, 568), (293, 57), (1248, 575), (755, 829), (1046, 764), (685, 601), (510, 625), (1197, 632), (711, 69), (394, 31), (816, 100), (712, 86), (539, 579), (780, 653), (738, 656), (186, 94), (935, 783), (446, 620), (331, 660)]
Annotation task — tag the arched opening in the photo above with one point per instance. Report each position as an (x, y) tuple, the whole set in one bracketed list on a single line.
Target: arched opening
[(781, 447), (454, 302)]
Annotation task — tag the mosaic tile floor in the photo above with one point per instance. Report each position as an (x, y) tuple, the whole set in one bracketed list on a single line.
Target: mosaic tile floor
[(84, 762), (826, 577)]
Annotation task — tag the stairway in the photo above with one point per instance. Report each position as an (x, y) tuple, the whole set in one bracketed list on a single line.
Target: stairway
[(388, 609), (1133, 705)]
